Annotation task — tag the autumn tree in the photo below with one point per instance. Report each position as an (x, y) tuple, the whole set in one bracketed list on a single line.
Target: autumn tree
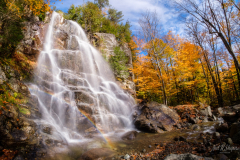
[(217, 17), (150, 29), (146, 79)]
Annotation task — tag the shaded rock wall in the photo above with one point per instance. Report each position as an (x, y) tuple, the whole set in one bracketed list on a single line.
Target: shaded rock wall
[(106, 43), (34, 33), (18, 131)]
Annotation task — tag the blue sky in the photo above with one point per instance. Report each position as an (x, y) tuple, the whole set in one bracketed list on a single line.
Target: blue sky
[(132, 10)]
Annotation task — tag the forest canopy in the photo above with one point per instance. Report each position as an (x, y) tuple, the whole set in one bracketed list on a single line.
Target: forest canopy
[(201, 66)]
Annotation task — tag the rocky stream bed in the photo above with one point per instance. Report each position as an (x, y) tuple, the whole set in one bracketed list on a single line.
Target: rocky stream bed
[(196, 134)]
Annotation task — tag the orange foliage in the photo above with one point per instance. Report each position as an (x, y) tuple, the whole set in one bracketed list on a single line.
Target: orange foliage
[(172, 64), (8, 154), (146, 77), (19, 9), (134, 47)]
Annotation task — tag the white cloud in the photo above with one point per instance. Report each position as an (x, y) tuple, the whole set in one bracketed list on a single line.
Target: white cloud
[(132, 10)]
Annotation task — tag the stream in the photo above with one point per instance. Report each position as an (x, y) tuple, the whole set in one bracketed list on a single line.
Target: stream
[(120, 147)]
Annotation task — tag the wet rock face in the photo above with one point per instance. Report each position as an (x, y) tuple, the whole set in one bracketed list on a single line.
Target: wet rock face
[(31, 44), (69, 60), (106, 43), (155, 117), (83, 97)]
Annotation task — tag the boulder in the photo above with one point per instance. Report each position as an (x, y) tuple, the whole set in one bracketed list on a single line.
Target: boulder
[(156, 117), (230, 142), (235, 128), (209, 111), (221, 157), (230, 117), (126, 156), (220, 111), (205, 119), (236, 107), (130, 135), (216, 135), (206, 112), (222, 127), (194, 120), (195, 127), (236, 138)]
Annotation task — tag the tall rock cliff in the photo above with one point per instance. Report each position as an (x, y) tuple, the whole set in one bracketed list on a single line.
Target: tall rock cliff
[(106, 43), (17, 125)]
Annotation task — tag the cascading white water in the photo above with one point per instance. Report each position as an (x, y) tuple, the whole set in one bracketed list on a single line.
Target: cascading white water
[(72, 76)]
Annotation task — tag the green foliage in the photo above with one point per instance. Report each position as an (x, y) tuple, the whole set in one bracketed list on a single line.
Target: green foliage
[(92, 20), (41, 16), (24, 111), (7, 96), (10, 31), (88, 16), (101, 3), (73, 13), (19, 62), (12, 35), (118, 63), (114, 15)]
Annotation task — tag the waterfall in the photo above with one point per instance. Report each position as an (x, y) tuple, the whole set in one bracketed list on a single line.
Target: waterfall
[(73, 82)]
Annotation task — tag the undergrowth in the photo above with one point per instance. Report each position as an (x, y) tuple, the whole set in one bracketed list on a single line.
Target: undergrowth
[(18, 62)]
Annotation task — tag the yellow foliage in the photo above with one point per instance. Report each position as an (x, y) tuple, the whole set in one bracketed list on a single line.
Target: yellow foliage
[(24, 7)]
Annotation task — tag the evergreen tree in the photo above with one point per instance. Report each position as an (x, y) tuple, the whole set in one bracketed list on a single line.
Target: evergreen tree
[(101, 3), (114, 15)]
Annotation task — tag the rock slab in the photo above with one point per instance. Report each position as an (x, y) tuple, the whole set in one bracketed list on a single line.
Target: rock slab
[(155, 117)]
